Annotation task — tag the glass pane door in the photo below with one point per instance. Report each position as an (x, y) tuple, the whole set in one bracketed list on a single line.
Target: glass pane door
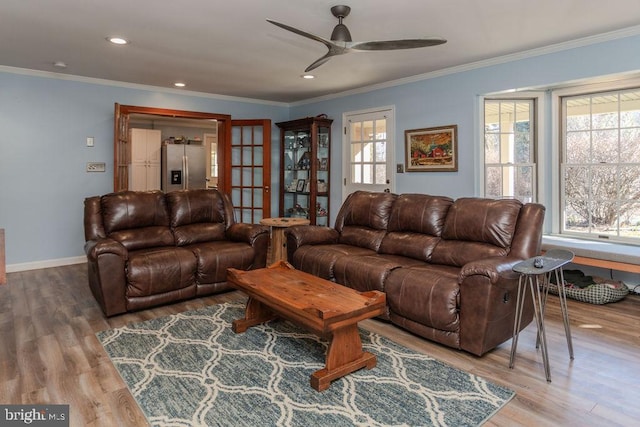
[(249, 172), (369, 152)]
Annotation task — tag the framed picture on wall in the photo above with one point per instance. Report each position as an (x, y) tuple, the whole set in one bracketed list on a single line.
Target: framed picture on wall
[(432, 149)]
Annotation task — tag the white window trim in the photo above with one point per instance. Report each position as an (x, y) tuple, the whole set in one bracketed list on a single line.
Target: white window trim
[(540, 136), (556, 136)]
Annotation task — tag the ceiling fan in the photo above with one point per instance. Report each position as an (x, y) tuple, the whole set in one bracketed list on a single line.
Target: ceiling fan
[(340, 42)]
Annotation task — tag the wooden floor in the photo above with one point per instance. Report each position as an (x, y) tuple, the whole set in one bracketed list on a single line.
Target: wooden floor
[(49, 354)]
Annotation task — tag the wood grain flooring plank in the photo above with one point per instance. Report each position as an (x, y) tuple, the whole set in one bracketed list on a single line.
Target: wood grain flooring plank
[(49, 353)]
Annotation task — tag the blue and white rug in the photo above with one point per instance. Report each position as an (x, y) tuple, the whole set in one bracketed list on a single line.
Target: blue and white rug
[(191, 369)]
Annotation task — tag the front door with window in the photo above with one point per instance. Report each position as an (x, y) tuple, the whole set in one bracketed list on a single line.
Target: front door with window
[(368, 151)]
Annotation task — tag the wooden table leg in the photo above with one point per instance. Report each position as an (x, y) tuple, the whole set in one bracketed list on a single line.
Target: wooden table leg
[(344, 356), (254, 314)]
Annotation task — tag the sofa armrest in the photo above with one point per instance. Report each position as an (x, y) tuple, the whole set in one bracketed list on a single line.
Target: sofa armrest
[(247, 233), (255, 235), (488, 294), (106, 264), (95, 248), (301, 235), (494, 268)]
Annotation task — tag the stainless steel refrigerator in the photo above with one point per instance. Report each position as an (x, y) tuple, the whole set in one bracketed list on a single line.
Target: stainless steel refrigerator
[(183, 167)]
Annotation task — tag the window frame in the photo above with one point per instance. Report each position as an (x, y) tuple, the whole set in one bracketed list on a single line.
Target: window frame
[(558, 142), (538, 152)]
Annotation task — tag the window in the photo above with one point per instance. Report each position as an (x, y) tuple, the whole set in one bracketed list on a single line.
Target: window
[(600, 165), (509, 149), (368, 150)]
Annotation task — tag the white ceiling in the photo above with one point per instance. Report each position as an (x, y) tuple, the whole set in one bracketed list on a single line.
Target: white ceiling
[(228, 48)]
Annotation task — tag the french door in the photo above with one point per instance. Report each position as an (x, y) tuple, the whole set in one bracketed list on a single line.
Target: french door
[(247, 169)]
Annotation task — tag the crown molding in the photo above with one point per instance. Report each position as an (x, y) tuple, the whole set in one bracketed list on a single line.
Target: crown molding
[(115, 83), (558, 47)]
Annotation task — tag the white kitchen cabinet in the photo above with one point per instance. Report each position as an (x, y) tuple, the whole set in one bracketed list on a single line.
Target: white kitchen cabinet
[(144, 166)]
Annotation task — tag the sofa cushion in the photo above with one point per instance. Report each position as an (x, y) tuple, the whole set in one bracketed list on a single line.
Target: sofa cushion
[(482, 220), (415, 224), (131, 209), (475, 229), (159, 270), (145, 237), (319, 260), (427, 295), (137, 220), (363, 219), (458, 253), (362, 237), (419, 213), (369, 210), (213, 259), (408, 244), (369, 272), (196, 216)]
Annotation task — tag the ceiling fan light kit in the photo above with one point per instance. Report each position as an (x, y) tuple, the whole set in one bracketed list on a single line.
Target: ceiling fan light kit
[(341, 42)]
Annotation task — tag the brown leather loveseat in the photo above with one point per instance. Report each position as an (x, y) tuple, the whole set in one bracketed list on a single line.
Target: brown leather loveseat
[(445, 265), (150, 248)]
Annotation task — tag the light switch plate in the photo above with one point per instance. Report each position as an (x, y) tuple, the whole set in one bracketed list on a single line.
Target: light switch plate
[(96, 167), (89, 141)]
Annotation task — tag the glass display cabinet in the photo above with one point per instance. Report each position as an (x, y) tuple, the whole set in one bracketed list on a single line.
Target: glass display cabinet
[(304, 169)]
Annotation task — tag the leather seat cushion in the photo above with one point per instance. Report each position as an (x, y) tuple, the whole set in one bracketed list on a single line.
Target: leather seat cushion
[(426, 295), (369, 272), (319, 260), (158, 270), (213, 259)]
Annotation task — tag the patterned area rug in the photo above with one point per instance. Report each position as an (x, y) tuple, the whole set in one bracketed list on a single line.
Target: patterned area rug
[(191, 369)]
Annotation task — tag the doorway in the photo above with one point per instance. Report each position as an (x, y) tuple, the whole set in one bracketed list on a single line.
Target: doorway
[(368, 151), (260, 188)]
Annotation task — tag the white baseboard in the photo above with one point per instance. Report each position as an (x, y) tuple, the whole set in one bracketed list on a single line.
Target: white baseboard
[(36, 265)]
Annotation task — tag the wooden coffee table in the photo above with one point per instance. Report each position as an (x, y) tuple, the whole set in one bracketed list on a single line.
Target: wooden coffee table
[(329, 310)]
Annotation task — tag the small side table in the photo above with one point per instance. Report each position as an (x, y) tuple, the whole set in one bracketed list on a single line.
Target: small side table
[(278, 242), (538, 279)]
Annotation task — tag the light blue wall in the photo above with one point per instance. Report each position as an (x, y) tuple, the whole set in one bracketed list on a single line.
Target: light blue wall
[(453, 99), (44, 123)]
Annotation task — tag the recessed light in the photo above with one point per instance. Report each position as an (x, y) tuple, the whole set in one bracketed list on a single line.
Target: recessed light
[(59, 64), (117, 40), (179, 84), (308, 76)]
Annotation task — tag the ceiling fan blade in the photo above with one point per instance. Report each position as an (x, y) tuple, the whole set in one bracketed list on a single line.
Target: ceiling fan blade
[(318, 62), (397, 44), (325, 42)]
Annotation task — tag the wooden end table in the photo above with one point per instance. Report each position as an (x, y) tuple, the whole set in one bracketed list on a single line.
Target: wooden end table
[(278, 242), (329, 310)]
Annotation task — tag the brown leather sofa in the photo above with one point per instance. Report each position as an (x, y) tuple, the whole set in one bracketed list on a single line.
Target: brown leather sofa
[(150, 248), (445, 265)]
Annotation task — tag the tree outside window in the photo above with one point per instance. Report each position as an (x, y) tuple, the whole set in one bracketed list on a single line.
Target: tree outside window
[(601, 165)]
